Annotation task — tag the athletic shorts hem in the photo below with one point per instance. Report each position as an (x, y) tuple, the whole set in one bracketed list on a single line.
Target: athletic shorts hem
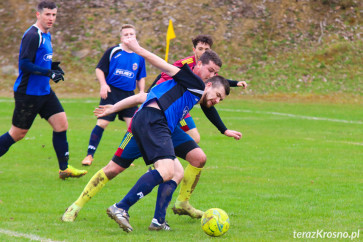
[(124, 163), (160, 158)]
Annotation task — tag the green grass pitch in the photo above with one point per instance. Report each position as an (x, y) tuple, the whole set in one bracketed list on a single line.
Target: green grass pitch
[(298, 168)]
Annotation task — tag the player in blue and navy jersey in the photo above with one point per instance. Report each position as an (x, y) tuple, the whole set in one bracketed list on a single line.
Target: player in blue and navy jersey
[(185, 147), (33, 94), (118, 72), (156, 119), (182, 206)]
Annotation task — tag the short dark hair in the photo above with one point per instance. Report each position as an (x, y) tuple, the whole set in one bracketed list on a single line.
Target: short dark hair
[(127, 26), (206, 39), (220, 81), (210, 55), (46, 4)]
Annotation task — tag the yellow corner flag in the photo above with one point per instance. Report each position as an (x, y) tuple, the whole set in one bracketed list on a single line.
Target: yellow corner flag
[(169, 35)]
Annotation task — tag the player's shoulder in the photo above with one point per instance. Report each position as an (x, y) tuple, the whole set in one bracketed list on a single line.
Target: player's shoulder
[(32, 32), (187, 60), (114, 48)]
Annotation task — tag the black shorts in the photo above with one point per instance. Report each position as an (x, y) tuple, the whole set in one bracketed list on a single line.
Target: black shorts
[(28, 106), (115, 96), (152, 135), (128, 150)]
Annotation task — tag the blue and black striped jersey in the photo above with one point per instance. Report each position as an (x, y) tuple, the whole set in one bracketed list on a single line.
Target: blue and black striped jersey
[(37, 48), (177, 96)]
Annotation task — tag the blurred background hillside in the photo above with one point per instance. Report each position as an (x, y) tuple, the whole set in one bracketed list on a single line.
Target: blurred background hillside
[(279, 47)]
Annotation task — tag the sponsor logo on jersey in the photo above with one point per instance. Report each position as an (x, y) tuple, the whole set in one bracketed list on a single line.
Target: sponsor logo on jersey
[(126, 73), (48, 57), (134, 66)]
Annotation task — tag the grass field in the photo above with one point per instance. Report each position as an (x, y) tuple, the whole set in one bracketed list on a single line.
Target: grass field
[(298, 168)]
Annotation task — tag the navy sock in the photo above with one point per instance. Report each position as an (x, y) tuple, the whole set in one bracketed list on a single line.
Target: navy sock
[(165, 193), (94, 140), (5, 142), (143, 186), (60, 145)]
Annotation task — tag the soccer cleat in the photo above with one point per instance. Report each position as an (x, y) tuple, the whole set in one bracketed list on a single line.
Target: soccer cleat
[(155, 225), (87, 161), (184, 208), (71, 172), (121, 217), (71, 213)]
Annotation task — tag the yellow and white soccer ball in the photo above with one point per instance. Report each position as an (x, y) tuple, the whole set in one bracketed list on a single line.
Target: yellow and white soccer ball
[(215, 222)]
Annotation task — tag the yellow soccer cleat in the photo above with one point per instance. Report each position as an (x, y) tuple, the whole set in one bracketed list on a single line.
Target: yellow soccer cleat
[(71, 213), (184, 208), (71, 172)]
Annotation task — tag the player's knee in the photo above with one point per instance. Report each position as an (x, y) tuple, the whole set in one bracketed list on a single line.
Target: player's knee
[(166, 174), (102, 123), (197, 158), (18, 134), (203, 160), (64, 127)]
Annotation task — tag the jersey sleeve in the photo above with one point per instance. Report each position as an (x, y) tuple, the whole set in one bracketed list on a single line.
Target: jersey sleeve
[(232, 83), (189, 80), (164, 77), (213, 116), (29, 47), (142, 70), (104, 63)]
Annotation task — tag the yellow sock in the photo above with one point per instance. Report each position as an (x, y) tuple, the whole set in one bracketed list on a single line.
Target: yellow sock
[(97, 182), (190, 180)]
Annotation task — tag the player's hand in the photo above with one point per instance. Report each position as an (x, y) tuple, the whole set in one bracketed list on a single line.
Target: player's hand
[(56, 76), (242, 84), (56, 67), (105, 89), (103, 110), (131, 43), (232, 133)]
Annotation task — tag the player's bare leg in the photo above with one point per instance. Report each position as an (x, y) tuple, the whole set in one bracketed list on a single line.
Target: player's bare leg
[(194, 134)]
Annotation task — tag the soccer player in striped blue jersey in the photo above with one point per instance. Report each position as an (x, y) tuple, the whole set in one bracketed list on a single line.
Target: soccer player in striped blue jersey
[(32, 92)]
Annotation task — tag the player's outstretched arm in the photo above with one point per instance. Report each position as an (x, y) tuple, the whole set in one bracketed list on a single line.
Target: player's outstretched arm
[(132, 101), (153, 59), (213, 116)]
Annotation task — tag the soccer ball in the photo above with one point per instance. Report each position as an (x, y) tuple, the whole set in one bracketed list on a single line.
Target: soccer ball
[(215, 222)]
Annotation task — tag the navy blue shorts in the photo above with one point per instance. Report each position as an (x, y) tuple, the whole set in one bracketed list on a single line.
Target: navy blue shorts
[(128, 151), (115, 96), (152, 135), (28, 106)]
